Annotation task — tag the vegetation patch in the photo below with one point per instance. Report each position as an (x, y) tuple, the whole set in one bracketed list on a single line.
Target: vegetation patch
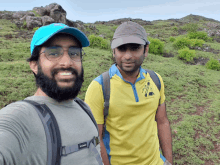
[(156, 46)]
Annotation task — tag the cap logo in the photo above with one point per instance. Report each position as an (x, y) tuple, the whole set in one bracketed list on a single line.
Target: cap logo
[(57, 24)]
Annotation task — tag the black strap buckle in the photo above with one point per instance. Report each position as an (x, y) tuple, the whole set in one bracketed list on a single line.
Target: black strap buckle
[(61, 151)]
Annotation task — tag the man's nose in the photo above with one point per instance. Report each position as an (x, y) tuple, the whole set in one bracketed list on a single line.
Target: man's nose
[(128, 54), (65, 59)]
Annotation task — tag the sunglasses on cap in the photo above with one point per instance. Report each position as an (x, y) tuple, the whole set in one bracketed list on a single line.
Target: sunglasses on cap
[(54, 53)]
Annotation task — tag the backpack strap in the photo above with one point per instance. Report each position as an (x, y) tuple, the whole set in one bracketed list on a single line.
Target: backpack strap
[(106, 93), (91, 144), (155, 78), (54, 147), (87, 110), (51, 130)]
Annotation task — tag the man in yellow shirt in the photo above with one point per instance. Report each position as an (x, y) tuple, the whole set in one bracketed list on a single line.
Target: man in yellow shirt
[(137, 122)]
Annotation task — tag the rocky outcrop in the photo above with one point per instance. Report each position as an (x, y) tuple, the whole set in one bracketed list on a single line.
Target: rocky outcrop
[(120, 21), (52, 13), (46, 20), (33, 22)]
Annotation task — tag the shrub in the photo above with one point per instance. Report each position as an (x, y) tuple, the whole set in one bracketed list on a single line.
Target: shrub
[(156, 46), (186, 54), (96, 41), (36, 28), (182, 42), (191, 27), (198, 35), (213, 64), (172, 39), (175, 28)]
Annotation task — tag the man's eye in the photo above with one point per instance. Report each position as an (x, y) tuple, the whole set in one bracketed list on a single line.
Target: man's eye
[(73, 54), (135, 47), (122, 48)]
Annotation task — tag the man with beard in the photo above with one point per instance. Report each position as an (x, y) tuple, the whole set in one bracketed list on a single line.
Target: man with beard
[(56, 61), (137, 122)]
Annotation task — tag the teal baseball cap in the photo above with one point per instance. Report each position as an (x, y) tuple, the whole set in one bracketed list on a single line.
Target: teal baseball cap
[(44, 33)]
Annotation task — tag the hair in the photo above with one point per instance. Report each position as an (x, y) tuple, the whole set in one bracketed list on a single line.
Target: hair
[(37, 49)]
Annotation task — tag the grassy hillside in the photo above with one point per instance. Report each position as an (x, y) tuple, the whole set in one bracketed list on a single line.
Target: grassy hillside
[(192, 91)]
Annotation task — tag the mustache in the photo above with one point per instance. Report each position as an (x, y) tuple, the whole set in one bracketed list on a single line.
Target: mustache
[(128, 61), (72, 70)]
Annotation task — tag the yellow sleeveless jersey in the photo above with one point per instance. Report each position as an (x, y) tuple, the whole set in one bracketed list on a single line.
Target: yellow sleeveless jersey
[(131, 136)]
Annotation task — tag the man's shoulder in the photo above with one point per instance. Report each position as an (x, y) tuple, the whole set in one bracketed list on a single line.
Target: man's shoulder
[(18, 109)]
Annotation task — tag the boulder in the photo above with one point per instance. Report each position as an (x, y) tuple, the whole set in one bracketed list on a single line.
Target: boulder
[(56, 12), (33, 22), (41, 11), (8, 16), (92, 27), (46, 20), (71, 23), (18, 23), (20, 14)]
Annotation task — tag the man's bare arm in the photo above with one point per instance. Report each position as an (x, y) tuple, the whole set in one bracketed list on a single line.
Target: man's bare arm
[(164, 132), (103, 149)]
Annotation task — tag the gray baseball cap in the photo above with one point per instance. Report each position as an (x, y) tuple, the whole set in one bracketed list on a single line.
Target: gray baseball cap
[(129, 32)]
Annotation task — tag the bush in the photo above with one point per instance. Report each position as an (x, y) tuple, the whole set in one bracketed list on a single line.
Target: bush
[(156, 46), (186, 54), (213, 64), (172, 39), (36, 28), (96, 41), (191, 27), (175, 28), (182, 42), (198, 35)]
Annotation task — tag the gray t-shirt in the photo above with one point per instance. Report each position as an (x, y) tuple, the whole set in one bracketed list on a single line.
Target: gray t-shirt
[(23, 139)]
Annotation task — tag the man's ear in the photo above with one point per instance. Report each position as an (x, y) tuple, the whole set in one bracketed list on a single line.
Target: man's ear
[(34, 66), (113, 53), (146, 50)]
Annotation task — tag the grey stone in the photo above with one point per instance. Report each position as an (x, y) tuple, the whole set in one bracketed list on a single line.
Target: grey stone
[(46, 20), (33, 22)]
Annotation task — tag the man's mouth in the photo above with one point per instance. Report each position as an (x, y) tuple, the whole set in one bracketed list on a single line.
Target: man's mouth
[(65, 73)]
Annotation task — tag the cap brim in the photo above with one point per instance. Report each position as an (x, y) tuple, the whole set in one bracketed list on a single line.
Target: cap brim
[(125, 40), (72, 31)]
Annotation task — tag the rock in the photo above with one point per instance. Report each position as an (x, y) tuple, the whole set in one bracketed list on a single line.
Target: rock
[(81, 27), (19, 14), (79, 22), (71, 23), (41, 11), (46, 20), (33, 22), (172, 24), (92, 27), (8, 16), (19, 23), (56, 12)]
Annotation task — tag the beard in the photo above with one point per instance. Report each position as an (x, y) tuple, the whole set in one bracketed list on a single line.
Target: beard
[(50, 87), (130, 70)]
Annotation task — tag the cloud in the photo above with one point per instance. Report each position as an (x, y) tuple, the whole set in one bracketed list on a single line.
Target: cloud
[(186, 6)]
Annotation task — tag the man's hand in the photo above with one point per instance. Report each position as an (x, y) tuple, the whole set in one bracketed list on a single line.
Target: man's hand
[(164, 132), (103, 149)]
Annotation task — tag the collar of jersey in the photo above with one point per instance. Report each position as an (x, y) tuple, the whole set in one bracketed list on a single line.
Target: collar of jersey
[(114, 70)]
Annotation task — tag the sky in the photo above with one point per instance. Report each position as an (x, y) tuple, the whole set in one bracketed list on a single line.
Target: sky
[(89, 11)]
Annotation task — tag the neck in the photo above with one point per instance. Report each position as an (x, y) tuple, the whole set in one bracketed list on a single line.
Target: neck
[(39, 92), (129, 76)]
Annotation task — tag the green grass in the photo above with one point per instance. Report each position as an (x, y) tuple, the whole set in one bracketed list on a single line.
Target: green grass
[(192, 91)]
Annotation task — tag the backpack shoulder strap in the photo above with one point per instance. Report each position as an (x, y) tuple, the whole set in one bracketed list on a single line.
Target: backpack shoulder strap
[(87, 110), (106, 94), (155, 78), (51, 130)]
